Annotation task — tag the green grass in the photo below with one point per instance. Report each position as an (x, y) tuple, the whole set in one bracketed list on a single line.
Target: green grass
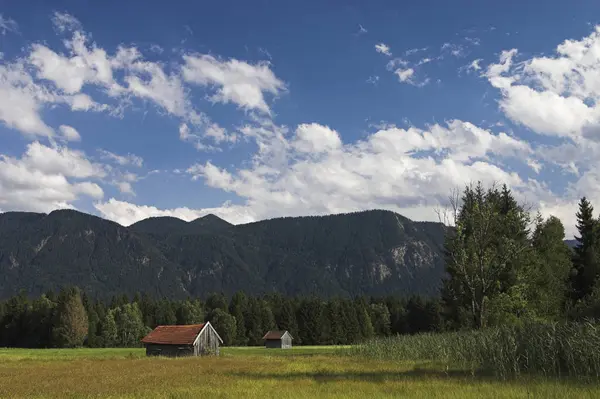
[(254, 373), (546, 349)]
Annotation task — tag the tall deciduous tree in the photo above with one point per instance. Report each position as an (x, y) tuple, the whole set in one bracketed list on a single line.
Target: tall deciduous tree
[(225, 325), (71, 324), (482, 252), (108, 330)]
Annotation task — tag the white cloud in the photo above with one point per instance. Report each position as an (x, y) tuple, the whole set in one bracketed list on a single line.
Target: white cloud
[(314, 138), (65, 22), (61, 160), (383, 49), (475, 65), (69, 133), (7, 25), (127, 213), (129, 159), (21, 101), (407, 170), (237, 81), (557, 95), (405, 75), (45, 178), (408, 76)]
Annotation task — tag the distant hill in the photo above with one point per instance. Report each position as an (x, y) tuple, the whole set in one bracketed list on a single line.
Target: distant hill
[(370, 253)]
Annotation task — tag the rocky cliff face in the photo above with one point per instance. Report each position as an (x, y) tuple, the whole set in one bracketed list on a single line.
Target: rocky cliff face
[(371, 253)]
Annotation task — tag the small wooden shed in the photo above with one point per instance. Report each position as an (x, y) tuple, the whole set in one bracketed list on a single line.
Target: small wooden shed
[(188, 340), (278, 339)]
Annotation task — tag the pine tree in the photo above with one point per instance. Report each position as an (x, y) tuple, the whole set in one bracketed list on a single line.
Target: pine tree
[(237, 309), (309, 316), (380, 317), (286, 318), (364, 319), (71, 323), (585, 259), (164, 313)]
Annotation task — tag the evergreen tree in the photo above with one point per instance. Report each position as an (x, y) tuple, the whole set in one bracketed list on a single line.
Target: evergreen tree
[(364, 319), (38, 333), (238, 309), (310, 314), (585, 259), (332, 324), (352, 330), (380, 317), (164, 313), (71, 323), (286, 317), (93, 322)]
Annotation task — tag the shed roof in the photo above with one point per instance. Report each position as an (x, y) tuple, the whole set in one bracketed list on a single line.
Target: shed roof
[(174, 335), (276, 335)]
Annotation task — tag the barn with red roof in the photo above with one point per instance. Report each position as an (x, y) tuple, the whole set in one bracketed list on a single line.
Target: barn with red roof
[(188, 340), (278, 339)]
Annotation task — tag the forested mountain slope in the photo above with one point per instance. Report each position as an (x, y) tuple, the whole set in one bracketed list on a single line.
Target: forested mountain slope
[(372, 253)]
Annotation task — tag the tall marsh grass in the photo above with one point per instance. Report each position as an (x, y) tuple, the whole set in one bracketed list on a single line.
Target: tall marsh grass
[(547, 349)]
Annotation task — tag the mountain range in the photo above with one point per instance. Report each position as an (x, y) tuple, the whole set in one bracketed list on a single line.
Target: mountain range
[(363, 253)]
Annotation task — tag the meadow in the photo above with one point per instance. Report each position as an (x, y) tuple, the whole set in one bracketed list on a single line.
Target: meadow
[(335, 372)]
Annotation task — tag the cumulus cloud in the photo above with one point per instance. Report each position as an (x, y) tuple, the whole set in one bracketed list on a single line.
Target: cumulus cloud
[(236, 81), (127, 213), (405, 170), (557, 95), (315, 139), (21, 101), (45, 178)]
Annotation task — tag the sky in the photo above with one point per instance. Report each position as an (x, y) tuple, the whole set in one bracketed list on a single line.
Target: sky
[(262, 109)]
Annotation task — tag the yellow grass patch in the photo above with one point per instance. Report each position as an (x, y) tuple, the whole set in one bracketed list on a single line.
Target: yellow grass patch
[(251, 373)]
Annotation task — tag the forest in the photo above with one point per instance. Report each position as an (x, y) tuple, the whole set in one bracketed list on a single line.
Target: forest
[(503, 267)]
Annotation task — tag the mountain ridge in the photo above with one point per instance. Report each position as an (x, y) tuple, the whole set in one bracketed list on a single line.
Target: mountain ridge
[(373, 252)]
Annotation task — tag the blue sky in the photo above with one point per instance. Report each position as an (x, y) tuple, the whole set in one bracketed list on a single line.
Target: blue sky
[(252, 110)]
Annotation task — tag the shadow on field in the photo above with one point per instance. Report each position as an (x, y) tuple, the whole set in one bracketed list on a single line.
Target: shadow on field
[(372, 376)]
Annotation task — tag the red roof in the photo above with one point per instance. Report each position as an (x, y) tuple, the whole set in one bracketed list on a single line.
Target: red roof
[(275, 334), (174, 335)]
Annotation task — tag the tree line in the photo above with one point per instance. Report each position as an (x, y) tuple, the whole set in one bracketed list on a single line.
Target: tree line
[(71, 319)]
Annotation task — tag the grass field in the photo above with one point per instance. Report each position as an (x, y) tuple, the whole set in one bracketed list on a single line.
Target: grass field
[(253, 373)]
